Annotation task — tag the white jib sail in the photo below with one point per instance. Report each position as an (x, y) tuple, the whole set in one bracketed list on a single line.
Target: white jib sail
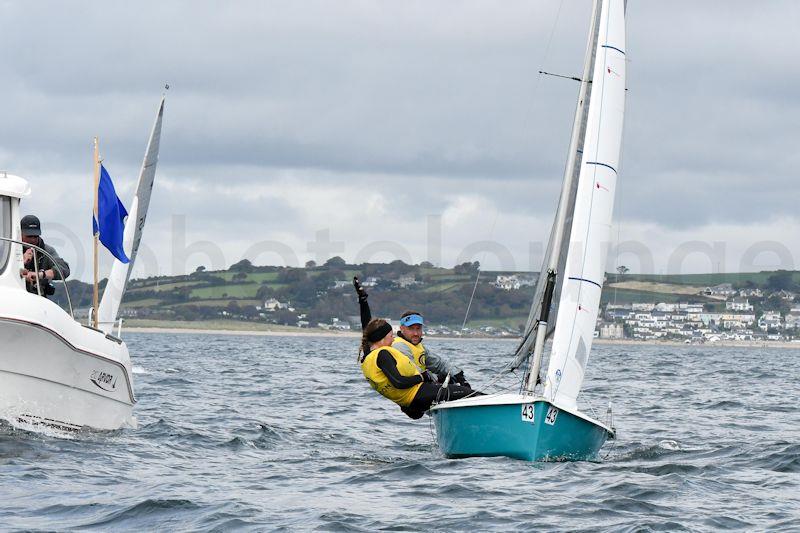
[(121, 272), (582, 279)]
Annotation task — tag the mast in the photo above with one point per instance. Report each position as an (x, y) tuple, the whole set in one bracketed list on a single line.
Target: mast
[(536, 328), (583, 271), (96, 230)]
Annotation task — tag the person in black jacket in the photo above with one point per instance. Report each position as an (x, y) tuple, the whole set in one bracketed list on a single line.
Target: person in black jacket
[(39, 268)]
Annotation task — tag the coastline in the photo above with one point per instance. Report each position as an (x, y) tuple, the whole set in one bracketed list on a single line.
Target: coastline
[(289, 331), (263, 333)]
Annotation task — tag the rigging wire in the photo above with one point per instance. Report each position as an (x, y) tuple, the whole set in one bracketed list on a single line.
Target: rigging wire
[(472, 297), (574, 78), (478, 274), (536, 90)]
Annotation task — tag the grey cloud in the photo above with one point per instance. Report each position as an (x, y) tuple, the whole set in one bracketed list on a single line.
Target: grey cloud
[(444, 95)]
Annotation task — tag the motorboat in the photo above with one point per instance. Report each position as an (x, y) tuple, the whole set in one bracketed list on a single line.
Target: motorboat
[(54, 370)]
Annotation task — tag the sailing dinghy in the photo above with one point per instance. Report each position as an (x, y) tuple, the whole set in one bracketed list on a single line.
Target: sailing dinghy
[(54, 371), (542, 421)]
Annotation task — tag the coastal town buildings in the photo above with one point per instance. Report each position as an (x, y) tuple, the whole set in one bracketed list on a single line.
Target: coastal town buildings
[(740, 320), (513, 282)]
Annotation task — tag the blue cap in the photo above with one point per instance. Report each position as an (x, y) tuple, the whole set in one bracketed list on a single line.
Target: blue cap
[(410, 320)]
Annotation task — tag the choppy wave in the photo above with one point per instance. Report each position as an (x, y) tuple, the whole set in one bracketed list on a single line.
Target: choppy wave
[(271, 433)]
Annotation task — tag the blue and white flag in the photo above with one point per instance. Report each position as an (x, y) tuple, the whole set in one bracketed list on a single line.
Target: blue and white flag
[(111, 214)]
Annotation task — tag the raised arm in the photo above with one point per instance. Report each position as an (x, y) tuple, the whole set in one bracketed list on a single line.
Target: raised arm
[(366, 314)]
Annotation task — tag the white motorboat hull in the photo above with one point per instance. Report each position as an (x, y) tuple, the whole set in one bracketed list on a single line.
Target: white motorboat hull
[(53, 370), (45, 378)]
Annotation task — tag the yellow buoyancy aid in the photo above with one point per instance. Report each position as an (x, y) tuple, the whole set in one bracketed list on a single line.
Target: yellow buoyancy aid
[(418, 352), (379, 381)]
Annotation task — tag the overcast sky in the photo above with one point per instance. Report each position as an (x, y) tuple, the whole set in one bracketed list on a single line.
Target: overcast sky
[(415, 130)]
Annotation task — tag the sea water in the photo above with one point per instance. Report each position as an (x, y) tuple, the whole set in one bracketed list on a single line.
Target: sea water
[(283, 433)]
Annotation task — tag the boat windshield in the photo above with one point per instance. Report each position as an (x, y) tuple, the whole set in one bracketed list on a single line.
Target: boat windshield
[(5, 231)]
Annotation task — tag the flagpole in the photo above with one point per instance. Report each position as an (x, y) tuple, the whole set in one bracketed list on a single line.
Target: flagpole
[(95, 296)]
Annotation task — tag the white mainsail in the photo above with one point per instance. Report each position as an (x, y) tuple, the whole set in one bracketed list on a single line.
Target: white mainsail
[(137, 214), (558, 244), (581, 281)]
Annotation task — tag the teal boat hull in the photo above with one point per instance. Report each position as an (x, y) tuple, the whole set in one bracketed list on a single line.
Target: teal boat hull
[(532, 429)]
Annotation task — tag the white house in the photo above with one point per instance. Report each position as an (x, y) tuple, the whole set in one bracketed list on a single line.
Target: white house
[(770, 320), (751, 293), (611, 331), (728, 320), (722, 290), (793, 318), (734, 321), (341, 325), (406, 281), (507, 283), (785, 295), (738, 304), (667, 307), (273, 305)]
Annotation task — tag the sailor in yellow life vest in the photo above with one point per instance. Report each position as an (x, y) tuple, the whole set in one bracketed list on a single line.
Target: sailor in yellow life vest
[(394, 376), (409, 341)]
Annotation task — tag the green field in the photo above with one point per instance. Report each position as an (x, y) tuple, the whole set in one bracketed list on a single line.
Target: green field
[(705, 280), (147, 302), (223, 302), (442, 287), (165, 287), (244, 290), (256, 277), (626, 296)]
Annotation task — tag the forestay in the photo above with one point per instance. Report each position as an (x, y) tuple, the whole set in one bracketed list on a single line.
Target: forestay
[(581, 281)]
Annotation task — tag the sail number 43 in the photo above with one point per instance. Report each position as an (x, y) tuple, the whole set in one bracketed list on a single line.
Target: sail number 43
[(552, 413), (527, 412)]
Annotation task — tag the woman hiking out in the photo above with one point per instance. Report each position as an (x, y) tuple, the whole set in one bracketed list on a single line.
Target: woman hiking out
[(393, 375)]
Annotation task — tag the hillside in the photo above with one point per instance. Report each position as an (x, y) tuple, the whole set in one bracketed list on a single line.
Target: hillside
[(322, 294)]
